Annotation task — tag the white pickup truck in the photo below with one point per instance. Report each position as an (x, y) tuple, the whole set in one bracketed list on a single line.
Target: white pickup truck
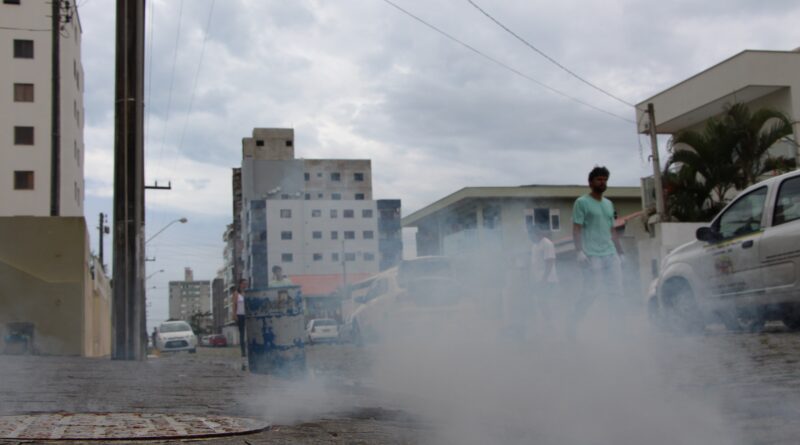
[(742, 269)]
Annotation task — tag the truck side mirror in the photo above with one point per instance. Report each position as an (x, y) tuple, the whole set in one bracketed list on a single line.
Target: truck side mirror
[(706, 234)]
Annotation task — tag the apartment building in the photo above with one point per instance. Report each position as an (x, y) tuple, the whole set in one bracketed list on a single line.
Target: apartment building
[(316, 218), (41, 109), (189, 297)]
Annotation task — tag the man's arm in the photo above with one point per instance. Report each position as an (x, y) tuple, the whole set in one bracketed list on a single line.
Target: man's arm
[(576, 237), (615, 238)]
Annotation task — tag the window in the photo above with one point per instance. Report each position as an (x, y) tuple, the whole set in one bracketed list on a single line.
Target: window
[(334, 213), (319, 175), (348, 213), (286, 213), (11, 2), (259, 143), (334, 234), (336, 196), (334, 257), (23, 92), (359, 196), (369, 234), (308, 196), (369, 256), (287, 257), (23, 135), (349, 234), (359, 177), (543, 219), (307, 176), (366, 213), (316, 234), (743, 216), (317, 257), (788, 203), (284, 196), (23, 49), (320, 195), (316, 213), (286, 235), (289, 143), (23, 180), (350, 256), (336, 176)]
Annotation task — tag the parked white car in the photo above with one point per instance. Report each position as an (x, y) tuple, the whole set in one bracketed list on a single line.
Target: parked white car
[(743, 268), (322, 329), (176, 336)]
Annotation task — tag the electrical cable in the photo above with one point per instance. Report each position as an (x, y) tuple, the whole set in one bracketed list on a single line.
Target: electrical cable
[(507, 67), (542, 53), (171, 84), (196, 77)]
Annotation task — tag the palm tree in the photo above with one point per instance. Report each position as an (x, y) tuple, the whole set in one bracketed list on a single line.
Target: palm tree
[(753, 135), (730, 153)]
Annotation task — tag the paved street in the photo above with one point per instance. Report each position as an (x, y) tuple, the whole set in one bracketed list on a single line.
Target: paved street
[(749, 380)]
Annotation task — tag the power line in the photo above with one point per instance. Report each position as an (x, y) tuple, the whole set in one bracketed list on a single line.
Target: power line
[(196, 77), (507, 67), (542, 53), (171, 83)]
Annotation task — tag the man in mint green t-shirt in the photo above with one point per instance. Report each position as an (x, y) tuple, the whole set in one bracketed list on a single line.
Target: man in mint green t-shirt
[(597, 247)]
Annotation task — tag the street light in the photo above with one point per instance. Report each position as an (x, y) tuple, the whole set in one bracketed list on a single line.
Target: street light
[(181, 220), (149, 276)]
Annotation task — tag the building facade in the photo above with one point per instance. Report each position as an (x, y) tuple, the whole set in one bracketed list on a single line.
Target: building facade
[(313, 217), (189, 297), (41, 109)]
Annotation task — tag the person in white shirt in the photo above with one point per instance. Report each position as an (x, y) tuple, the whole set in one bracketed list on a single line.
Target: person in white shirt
[(544, 278), (239, 312)]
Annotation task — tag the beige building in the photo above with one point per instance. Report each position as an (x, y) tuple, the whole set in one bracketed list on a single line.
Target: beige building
[(189, 297), (29, 110), (55, 298), (757, 78), (495, 219)]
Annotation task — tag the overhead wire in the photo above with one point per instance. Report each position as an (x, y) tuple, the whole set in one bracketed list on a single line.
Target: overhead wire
[(171, 84), (196, 77), (546, 56), (506, 66)]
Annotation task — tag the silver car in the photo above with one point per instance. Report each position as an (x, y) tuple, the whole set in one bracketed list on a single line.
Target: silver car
[(743, 268)]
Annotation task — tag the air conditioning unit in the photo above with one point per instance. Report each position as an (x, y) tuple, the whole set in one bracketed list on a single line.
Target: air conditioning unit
[(648, 193)]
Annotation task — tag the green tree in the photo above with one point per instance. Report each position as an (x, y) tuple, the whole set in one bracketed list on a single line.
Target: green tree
[(730, 153)]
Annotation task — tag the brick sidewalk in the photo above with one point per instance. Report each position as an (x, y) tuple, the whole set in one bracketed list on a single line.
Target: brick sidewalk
[(207, 383)]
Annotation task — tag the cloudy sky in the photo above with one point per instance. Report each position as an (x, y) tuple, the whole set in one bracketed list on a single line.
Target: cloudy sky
[(362, 79)]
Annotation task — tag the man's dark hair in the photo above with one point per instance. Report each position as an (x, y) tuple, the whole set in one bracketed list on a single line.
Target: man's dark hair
[(598, 170), (276, 268)]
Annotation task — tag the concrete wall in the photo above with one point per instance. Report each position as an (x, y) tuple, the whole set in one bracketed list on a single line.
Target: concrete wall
[(46, 279)]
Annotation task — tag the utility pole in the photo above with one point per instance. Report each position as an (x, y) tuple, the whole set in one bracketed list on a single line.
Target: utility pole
[(660, 208), (128, 305)]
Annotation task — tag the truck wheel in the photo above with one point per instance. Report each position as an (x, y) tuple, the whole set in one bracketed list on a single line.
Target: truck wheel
[(681, 312)]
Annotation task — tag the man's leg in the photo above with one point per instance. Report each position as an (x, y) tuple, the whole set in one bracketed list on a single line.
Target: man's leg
[(242, 340), (589, 291), (612, 280)]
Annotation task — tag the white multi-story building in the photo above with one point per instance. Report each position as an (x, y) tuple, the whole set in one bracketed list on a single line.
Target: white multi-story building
[(313, 217), (41, 109), (189, 297)]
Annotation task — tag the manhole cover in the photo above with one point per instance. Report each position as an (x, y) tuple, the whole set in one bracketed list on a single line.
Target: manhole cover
[(118, 426)]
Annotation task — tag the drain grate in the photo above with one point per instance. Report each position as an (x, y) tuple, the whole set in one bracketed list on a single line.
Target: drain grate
[(123, 426)]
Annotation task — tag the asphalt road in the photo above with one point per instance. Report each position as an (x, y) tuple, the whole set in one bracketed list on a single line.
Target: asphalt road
[(749, 380)]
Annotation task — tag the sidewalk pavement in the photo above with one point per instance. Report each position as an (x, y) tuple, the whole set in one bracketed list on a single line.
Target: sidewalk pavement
[(210, 382)]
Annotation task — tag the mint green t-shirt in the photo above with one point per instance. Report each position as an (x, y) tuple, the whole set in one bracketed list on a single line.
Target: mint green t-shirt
[(597, 219)]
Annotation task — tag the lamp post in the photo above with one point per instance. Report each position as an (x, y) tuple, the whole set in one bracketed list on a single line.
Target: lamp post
[(150, 276), (181, 220)]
